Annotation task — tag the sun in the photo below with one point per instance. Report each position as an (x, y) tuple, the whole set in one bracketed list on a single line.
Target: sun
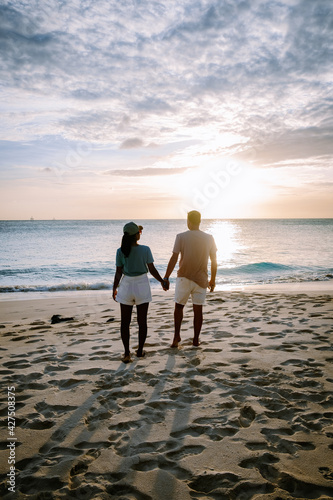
[(225, 189)]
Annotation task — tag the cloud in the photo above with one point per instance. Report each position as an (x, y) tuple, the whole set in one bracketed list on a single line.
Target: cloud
[(132, 143), (85, 95), (153, 105), (147, 172), (124, 75), (302, 143)]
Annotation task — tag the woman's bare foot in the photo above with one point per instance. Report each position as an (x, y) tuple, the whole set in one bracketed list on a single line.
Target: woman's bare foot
[(126, 358), (175, 342), (196, 342)]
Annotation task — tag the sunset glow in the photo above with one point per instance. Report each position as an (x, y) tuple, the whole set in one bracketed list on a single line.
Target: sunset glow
[(150, 109)]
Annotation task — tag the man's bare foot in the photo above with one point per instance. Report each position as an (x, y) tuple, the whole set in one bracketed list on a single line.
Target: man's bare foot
[(175, 342), (196, 342)]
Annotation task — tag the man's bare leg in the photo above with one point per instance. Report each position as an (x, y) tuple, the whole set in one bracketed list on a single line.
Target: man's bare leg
[(178, 317), (197, 323)]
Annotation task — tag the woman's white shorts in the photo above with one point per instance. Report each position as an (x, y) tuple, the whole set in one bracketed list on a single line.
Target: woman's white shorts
[(185, 288), (134, 290)]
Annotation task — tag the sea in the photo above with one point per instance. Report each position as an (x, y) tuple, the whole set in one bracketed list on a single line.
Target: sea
[(76, 255)]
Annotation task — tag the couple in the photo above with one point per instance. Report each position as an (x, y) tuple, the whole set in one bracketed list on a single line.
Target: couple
[(132, 264)]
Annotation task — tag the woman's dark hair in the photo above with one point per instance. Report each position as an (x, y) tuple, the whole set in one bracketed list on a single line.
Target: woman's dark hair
[(127, 242)]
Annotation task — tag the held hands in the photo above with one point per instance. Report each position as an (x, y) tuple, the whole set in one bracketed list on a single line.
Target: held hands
[(165, 284)]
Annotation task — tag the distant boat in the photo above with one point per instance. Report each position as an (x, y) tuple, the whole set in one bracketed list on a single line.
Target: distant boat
[(31, 218)]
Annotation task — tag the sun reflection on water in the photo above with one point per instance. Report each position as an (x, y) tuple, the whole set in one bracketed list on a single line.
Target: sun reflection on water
[(227, 236)]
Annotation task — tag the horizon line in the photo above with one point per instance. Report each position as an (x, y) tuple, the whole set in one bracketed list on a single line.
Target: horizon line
[(174, 218)]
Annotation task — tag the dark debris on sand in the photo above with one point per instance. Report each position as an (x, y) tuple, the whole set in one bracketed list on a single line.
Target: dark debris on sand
[(56, 318)]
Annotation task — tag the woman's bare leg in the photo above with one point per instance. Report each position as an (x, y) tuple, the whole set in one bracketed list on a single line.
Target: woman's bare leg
[(126, 315), (142, 312)]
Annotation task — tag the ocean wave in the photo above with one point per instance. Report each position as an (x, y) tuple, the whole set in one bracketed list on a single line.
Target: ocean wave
[(93, 269), (222, 279), (16, 272), (257, 268), (269, 273), (65, 287)]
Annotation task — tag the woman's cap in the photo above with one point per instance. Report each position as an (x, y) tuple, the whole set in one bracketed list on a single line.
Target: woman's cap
[(132, 228)]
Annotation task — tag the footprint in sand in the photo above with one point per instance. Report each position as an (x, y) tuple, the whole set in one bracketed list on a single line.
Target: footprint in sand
[(326, 472), (210, 482), (79, 468), (258, 461), (78, 484), (38, 424), (247, 415), (253, 329), (184, 452)]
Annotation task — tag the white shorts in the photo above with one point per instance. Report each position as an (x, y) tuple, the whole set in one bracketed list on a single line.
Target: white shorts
[(134, 290), (185, 288)]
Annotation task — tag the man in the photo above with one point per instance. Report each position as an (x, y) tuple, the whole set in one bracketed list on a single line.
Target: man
[(195, 248)]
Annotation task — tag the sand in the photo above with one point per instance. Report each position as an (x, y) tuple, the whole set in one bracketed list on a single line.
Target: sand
[(247, 415)]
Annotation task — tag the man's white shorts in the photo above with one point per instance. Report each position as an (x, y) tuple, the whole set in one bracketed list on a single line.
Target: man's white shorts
[(185, 288), (134, 290)]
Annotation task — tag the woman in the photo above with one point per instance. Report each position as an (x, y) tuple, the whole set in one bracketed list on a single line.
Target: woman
[(132, 264)]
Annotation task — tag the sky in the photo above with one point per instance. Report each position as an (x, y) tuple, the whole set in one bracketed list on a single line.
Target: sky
[(133, 109)]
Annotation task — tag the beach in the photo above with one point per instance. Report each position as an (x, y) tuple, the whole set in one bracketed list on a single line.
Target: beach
[(246, 415)]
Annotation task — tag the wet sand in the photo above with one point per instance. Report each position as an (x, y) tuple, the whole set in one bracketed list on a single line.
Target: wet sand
[(247, 415)]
